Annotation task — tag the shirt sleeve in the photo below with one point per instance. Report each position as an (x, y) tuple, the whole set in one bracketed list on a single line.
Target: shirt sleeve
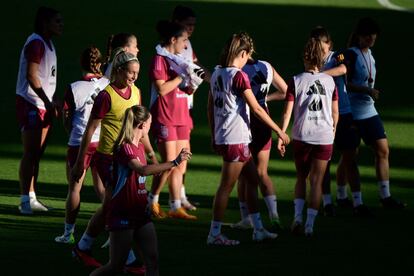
[(101, 106), (34, 51), (350, 58), (126, 154), (335, 94), (68, 100), (159, 69), (241, 83), (290, 93)]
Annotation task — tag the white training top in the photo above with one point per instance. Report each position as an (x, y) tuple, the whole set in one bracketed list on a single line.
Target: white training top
[(47, 73), (362, 104), (313, 123), (261, 77), (84, 93), (188, 54), (231, 113)]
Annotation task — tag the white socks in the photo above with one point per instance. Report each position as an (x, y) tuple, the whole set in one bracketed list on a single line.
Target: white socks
[(153, 198), (299, 203), (256, 221), (271, 203), (175, 204), (86, 242), (69, 229), (310, 219), (215, 228), (327, 199), (384, 188), (244, 212), (357, 198)]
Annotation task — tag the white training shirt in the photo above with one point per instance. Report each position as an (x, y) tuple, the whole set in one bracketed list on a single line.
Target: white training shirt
[(231, 113), (84, 93), (47, 73), (362, 104), (313, 122), (261, 77)]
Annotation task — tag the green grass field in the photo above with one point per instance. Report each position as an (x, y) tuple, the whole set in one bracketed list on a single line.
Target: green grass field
[(343, 245)]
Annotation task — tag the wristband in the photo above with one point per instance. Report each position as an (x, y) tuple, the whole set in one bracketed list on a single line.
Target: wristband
[(175, 163), (150, 154)]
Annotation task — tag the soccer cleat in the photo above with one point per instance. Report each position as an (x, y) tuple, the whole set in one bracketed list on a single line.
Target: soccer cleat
[(329, 210), (135, 268), (85, 257), (296, 228), (344, 203), (188, 206), (68, 239), (262, 235), (362, 211), (25, 208), (391, 203), (157, 212), (243, 224), (275, 225), (221, 240), (37, 206), (180, 213)]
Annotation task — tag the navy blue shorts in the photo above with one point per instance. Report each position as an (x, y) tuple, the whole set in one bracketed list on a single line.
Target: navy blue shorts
[(371, 129), (346, 136)]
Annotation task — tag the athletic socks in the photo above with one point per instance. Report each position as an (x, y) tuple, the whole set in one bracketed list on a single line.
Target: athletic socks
[(271, 203), (32, 195), (256, 221), (327, 199), (384, 188), (357, 198), (244, 212), (86, 242), (310, 219), (69, 229), (299, 203), (341, 192), (153, 198), (175, 204), (215, 228)]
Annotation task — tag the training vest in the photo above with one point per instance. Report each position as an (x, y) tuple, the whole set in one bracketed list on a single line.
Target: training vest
[(84, 93), (261, 77), (47, 73), (112, 122)]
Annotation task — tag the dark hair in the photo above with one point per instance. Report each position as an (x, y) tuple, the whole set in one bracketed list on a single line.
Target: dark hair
[(181, 13), (43, 15), (235, 44), (91, 59), (320, 33), (115, 41), (168, 30), (365, 26), (313, 53)]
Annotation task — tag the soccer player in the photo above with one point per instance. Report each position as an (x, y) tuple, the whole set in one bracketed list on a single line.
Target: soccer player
[(36, 102), (229, 101), (78, 102), (346, 137), (313, 99), (108, 111), (127, 216), (262, 76), (362, 95), (170, 84)]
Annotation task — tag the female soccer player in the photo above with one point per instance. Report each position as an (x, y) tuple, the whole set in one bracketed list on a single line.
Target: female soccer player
[(229, 102), (262, 76), (36, 104), (77, 108), (127, 217), (362, 95), (313, 98), (108, 111), (169, 108)]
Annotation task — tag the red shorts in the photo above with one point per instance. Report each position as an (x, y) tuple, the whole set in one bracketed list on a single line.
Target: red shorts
[(29, 116), (89, 161), (234, 153), (104, 167), (261, 136), (304, 152), (164, 134)]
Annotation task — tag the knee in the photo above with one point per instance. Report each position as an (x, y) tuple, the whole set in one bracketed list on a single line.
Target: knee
[(382, 153)]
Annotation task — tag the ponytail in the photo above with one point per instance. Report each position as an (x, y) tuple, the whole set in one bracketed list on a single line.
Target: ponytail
[(237, 43), (91, 60)]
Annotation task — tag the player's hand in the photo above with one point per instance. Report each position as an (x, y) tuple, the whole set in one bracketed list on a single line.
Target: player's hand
[(374, 93), (281, 147), (284, 137)]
